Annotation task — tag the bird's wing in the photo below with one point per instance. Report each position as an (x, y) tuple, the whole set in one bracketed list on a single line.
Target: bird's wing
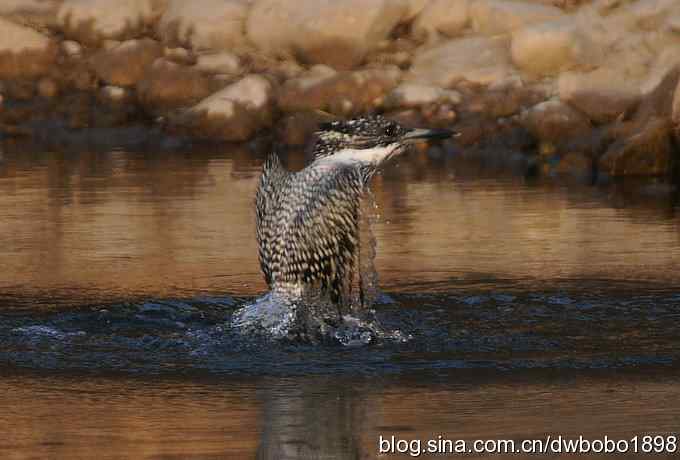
[(272, 186), (321, 237)]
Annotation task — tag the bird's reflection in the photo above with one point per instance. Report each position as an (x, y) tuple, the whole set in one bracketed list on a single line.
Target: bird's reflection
[(318, 418)]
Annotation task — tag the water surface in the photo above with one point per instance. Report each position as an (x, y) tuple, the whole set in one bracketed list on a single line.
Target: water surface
[(527, 306)]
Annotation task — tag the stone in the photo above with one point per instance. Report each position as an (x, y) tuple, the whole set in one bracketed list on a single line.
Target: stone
[(646, 152), (342, 93), (166, 86), (115, 95), (414, 8), (235, 113), (446, 17), (92, 21), (492, 17), (125, 64), (47, 88), (603, 94), (413, 95), (551, 47), (554, 121), (71, 48), (476, 60), (24, 53), (674, 22), (335, 32), (665, 62), (219, 63), (659, 101), (574, 164), (37, 14), (179, 55), (205, 24), (651, 14), (675, 110)]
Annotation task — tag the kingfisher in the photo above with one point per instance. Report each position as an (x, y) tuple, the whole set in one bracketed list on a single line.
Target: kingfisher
[(307, 222)]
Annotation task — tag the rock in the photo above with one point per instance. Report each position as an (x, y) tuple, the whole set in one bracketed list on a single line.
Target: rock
[(554, 121), (47, 88), (415, 7), (493, 17), (413, 95), (659, 101), (344, 93), (204, 24), (338, 32), (166, 85), (125, 64), (24, 53), (288, 69), (235, 113), (115, 95), (219, 63), (477, 60), (602, 94), (71, 48), (447, 17), (551, 47), (675, 111), (92, 21), (651, 14), (665, 62), (179, 55), (648, 151), (38, 14), (574, 164), (674, 22)]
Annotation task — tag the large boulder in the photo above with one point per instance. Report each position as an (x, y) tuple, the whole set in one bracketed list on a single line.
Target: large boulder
[(333, 32), (342, 93), (219, 63), (126, 63), (551, 47), (166, 86), (36, 13), (555, 122), (414, 8), (413, 95), (603, 94), (92, 21), (446, 17), (476, 59), (235, 113), (648, 151), (493, 17), (204, 24), (24, 53), (675, 111)]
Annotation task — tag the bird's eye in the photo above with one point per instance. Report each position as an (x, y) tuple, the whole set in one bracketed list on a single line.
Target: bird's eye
[(391, 131)]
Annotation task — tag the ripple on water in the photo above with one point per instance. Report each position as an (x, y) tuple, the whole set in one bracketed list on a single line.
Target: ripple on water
[(504, 332)]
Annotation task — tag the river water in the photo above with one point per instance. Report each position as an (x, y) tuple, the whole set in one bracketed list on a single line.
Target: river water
[(526, 307)]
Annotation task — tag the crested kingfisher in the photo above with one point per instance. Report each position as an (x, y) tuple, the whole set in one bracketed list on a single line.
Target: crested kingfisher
[(307, 222)]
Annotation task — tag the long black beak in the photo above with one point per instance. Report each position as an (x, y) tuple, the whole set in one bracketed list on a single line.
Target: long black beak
[(418, 134)]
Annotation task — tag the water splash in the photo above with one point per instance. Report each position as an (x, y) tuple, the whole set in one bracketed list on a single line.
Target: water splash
[(309, 316)]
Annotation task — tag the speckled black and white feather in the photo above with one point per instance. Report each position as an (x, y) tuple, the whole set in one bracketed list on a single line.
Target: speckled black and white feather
[(308, 221)]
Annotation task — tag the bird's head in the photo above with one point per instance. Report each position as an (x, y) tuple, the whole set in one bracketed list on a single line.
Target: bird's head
[(369, 140)]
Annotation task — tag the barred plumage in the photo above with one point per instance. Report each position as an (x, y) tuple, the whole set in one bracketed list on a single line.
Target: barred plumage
[(308, 222)]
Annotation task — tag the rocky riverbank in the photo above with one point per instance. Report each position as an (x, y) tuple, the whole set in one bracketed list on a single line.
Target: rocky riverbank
[(582, 85)]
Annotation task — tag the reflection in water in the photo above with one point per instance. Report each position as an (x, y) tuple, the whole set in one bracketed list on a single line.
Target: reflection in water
[(497, 352), (118, 224), (315, 418), (320, 418)]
